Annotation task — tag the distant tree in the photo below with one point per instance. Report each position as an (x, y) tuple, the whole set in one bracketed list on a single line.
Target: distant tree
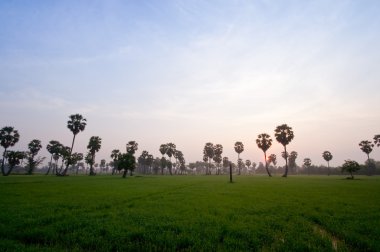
[(93, 146), (14, 158), (284, 135), (226, 163), (8, 138), (163, 162), (75, 159), (307, 164), (253, 167), (126, 162), (132, 147), (102, 164), (208, 152), (171, 148), (367, 147), (327, 156), (34, 147), (239, 148), (114, 155), (89, 159), (53, 148), (376, 139), (292, 161), (264, 142), (218, 151), (351, 167), (76, 124), (248, 163), (149, 162), (272, 159)]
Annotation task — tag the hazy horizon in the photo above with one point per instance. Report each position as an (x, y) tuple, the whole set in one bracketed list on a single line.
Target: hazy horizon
[(191, 72)]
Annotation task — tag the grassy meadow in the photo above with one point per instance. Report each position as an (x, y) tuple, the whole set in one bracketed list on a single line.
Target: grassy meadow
[(189, 213)]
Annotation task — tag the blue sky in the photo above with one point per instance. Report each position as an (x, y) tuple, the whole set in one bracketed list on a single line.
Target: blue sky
[(192, 72)]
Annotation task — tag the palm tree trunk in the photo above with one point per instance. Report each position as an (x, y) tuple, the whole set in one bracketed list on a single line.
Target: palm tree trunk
[(239, 162), (286, 163), (266, 164), (328, 168), (369, 166), (125, 173), (3, 163)]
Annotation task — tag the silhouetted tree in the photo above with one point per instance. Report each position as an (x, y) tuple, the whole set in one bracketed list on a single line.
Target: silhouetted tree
[(272, 159), (284, 135), (376, 140), (126, 162), (114, 155), (76, 124), (93, 146), (8, 138), (239, 148), (53, 148), (351, 167), (292, 161), (171, 147), (307, 164), (132, 147), (264, 142), (14, 158), (218, 151), (367, 147), (34, 147), (327, 156), (248, 163), (208, 152)]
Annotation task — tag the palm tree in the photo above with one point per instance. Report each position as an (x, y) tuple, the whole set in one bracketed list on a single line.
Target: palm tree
[(292, 161), (264, 142), (14, 158), (208, 151), (76, 124), (272, 159), (132, 147), (115, 155), (93, 147), (284, 135), (367, 147), (239, 148), (376, 139), (327, 156), (307, 164), (171, 147), (8, 138), (52, 148), (34, 147)]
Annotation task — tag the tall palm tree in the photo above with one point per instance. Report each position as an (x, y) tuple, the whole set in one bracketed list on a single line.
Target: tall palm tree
[(307, 164), (284, 135), (367, 147), (376, 140), (218, 151), (292, 161), (170, 152), (208, 152), (8, 138), (14, 158), (239, 148), (34, 147), (52, 148), (76, 124), (93, 147), (264, 142), (115, 155), (327, 156), (132, 147)]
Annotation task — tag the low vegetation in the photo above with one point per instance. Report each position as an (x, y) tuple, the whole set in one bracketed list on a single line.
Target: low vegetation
[(189, 213)]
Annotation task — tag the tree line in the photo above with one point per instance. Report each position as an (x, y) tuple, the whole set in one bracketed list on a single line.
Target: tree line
[(146, 163)]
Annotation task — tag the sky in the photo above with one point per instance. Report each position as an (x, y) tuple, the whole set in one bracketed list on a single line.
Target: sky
[(192, 72)]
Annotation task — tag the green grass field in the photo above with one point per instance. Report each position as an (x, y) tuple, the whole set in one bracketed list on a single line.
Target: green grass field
[(189, 213)]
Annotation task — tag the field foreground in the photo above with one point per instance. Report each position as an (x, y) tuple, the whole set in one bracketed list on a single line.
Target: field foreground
[(189, 213)]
